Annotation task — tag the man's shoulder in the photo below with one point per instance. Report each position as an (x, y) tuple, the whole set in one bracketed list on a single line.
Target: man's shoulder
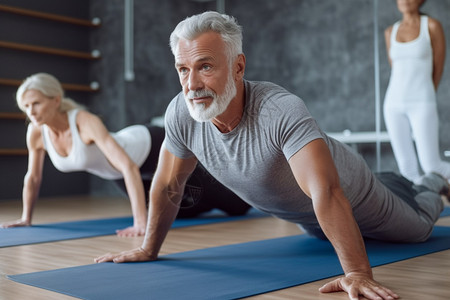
[(266, 89), (273, 104), (263, 86), (267, 94)]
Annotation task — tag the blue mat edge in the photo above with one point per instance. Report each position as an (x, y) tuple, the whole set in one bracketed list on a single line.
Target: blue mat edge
[(178, 223)]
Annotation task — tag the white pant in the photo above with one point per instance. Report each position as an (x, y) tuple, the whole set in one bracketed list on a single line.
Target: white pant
[(406, 122)]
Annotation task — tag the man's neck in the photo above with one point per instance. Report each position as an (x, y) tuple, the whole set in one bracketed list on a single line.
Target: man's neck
[(232, 116)]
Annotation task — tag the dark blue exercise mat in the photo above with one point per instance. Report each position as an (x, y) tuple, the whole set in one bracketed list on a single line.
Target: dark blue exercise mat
[(226, 272), (90, 228), (445, 212)]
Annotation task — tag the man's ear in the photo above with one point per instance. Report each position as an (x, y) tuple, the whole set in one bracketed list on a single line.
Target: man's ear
[(239, 67)]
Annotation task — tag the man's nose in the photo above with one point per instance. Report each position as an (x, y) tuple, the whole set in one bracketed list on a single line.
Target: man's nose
[(195, 82)]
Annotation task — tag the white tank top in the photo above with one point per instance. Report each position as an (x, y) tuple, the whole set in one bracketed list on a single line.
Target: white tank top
[(412, 67), (135, 140)]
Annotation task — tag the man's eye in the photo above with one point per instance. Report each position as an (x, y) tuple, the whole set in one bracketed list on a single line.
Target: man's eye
[(206, 67), (183, 70)]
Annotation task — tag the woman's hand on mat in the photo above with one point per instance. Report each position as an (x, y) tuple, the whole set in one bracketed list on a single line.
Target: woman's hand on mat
[(134, 255), (131, 231), (356, 284), (16, 223)]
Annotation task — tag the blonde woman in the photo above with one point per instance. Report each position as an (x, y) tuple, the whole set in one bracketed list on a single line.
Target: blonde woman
[(77, 140)]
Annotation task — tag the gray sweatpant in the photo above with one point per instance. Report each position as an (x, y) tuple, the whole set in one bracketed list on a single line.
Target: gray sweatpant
[(397, 209)]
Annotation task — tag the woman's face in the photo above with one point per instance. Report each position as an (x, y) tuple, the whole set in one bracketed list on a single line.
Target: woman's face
[(409, 6), (39, 108)]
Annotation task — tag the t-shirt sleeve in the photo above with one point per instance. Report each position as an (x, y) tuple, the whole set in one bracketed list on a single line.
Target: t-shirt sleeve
[(297, 127), (176, 130)]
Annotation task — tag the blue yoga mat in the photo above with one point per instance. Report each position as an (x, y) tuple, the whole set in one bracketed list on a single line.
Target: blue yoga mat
[(91, 228), (445, 212), (226, 272)]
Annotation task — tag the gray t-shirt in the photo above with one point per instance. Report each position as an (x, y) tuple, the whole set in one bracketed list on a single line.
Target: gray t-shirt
[(252, 159)]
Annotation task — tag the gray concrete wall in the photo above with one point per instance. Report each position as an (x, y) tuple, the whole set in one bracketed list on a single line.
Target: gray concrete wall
[(321, 50)]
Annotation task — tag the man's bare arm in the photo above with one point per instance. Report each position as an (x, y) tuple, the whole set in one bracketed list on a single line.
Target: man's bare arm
[(317, 176), (165, 197)]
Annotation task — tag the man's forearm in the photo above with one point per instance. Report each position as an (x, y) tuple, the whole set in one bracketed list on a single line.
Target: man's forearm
[(338, 224)]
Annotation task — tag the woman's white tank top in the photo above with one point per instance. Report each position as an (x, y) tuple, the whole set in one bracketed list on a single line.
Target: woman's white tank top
[(135, 140), (412, 67)]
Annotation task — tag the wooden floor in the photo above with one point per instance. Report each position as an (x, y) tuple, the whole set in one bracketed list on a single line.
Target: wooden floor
[(426, 277)]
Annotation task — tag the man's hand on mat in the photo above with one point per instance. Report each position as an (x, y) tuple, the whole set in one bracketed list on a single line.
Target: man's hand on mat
[(134, 255), (16, 223), (131, 231), (356, 284)]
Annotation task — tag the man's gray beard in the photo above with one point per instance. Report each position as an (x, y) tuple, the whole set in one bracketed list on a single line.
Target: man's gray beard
[(219, 104)]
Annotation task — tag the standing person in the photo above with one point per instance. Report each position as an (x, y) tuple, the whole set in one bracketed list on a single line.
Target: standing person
[(260, 141), (416, 51), (77, 140)]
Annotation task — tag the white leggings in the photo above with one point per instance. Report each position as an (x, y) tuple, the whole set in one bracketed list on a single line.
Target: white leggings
[(405, 123)]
